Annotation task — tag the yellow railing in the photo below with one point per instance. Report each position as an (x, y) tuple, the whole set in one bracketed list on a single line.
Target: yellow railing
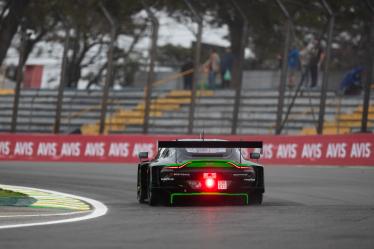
[(172, 101), (6, 91), (344, 123)]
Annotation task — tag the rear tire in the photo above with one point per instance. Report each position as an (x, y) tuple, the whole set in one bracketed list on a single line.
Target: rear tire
[(255, 198), (140, 194), (153, 195), (141, 190)]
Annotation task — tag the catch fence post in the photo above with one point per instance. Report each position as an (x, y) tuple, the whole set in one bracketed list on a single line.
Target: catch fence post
[(196, 67), (238, 90), (108, 78), (322, 105), (283, 76), (152, 57)]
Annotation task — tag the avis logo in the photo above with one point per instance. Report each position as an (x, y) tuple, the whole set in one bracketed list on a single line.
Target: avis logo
[(24, 148), (47, 149), (94, 149), (361, 150), (70, 149), (336, 150), (287, 151), (119, 149), (312, 151)]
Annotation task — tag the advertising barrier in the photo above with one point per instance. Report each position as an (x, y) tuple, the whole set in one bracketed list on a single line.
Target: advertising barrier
[(344, 150)]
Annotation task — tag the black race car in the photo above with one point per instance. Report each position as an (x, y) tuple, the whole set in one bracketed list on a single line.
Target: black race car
[(202, 169)]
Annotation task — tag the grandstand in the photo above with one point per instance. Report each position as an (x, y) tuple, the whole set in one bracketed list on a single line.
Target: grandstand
[(170, 109)]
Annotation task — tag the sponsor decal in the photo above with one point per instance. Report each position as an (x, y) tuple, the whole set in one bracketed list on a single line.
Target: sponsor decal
[(167, 179)]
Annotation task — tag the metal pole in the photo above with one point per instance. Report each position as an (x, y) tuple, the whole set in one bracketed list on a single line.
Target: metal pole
[(369, 75), (150, 78), (322, 104), (19, 79), (196, 65), (60, 94), (108, 78), (240, 68), (283, 76)]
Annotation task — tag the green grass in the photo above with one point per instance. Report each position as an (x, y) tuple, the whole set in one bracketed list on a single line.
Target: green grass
[(7, 193)]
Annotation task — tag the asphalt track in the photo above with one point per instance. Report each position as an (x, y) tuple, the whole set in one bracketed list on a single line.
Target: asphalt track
[(304, 207)]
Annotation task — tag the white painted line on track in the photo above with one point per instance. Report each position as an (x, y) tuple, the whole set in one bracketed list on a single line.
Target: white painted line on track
[(99, 209)]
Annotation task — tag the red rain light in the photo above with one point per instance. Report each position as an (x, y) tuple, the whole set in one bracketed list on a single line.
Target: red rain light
[(209, 183)]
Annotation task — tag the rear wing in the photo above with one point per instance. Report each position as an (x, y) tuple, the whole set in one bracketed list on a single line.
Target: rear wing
[(210, 144)]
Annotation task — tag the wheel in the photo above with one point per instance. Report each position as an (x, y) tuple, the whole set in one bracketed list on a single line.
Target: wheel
[(141, 190), (153, 195), (255, 198)]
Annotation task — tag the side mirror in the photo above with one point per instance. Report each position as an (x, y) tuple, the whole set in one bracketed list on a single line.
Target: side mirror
[(255, 155), (143, 156)]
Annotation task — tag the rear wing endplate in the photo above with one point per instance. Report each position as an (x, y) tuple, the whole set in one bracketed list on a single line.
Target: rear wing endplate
[(210, 144)]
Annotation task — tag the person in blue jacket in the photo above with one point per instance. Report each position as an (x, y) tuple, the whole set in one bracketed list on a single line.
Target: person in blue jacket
[(293, 66), (352, 81)]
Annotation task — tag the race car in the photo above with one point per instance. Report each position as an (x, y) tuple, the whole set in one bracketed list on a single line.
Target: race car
[(200, 169)]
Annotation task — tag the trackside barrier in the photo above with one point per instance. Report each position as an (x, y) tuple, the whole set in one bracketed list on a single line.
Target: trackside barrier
[(344, 150)]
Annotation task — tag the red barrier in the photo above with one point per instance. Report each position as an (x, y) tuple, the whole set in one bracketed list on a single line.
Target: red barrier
[(355, 149)]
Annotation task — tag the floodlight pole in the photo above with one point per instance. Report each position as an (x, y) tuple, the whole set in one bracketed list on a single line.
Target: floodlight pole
[(370, 64), (152, 55), (238, 91), (330, 31), (196, 67), (60, 93), (283, 76), (108, 78), (19, 78)]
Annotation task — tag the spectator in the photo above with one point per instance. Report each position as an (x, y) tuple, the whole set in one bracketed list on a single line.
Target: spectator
[(279, 61), (226, 68), (352, 81), (293, 66), (304, 56), (213, 67), (317, 57), (187, 78)]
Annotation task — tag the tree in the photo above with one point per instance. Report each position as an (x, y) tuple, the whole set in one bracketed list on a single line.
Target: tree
[(10, 19), (92, 30)]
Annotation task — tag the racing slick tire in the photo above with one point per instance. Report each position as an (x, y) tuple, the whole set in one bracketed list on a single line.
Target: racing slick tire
[(255, 198), (141, 188), (141, 195), (153, 195)]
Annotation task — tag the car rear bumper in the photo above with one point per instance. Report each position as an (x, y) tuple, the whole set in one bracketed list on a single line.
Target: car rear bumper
[(171, 194)]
